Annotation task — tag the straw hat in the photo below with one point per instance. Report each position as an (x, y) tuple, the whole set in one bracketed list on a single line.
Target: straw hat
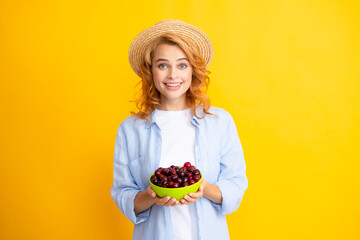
[(142, 41)]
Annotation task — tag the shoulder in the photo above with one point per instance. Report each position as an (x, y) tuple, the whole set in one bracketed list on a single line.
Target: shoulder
[(220, 115), (132, 124), (220, 112)]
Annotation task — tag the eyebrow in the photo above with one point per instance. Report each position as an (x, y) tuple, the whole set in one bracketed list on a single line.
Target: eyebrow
[(165, 60)]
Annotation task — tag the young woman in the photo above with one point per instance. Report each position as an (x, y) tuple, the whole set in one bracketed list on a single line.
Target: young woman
[(176, 124)]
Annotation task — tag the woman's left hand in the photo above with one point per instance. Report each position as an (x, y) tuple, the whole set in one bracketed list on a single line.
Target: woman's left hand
[(193, 197)]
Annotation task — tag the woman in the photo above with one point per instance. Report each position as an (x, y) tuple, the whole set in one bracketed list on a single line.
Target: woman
[(175, 124)]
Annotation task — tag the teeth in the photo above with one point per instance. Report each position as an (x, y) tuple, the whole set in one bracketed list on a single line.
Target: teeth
[(172, 84)]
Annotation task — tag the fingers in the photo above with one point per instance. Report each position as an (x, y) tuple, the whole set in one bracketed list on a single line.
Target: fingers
[(193, 197), (166, 201), (151, 192)]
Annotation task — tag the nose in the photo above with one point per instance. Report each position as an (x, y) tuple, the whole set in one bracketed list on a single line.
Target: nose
[(173, 73)]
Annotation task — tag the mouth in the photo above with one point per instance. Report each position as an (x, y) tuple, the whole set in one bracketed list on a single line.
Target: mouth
[(173, 84)]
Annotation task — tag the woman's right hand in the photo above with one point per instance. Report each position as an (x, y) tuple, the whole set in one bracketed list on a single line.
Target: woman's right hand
[(165, 201)]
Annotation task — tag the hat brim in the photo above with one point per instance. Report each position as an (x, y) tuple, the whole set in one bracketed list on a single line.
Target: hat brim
[(143, 39)]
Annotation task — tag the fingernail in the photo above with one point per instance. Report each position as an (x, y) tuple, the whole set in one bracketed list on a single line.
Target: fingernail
[(190, 194)]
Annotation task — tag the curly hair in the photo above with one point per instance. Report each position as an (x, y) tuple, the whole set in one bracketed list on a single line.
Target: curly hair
[(196, 97)]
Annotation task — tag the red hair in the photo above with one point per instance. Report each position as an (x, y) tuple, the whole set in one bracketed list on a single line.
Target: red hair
[(196, 97)]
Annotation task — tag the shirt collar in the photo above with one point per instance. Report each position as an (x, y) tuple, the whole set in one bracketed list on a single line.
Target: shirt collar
[(196, 121)]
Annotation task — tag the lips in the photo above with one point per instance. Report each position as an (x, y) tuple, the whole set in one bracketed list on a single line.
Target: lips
[(173, 86)]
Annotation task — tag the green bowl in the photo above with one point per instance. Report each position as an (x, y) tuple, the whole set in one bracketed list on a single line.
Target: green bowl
[(177, 193)]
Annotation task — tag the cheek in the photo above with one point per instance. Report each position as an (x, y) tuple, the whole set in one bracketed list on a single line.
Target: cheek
[(156, 78), (188, 76)]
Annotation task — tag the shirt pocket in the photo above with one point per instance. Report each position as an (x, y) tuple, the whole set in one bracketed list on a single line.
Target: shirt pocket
[(137, 171)]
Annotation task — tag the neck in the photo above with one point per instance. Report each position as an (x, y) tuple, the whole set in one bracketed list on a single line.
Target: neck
[(173, 106)]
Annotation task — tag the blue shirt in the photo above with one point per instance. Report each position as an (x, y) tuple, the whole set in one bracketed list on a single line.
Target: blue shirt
[(218, 155)]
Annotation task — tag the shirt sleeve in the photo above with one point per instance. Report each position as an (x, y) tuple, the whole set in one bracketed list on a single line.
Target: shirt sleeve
[(124, 188), (232, 180)]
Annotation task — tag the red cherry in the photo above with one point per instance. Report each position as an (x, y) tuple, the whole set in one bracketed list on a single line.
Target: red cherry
[(164, 183), (174, 177), (187, 164), (191, 167), (189, 175), (180, 180), (154, 180), (175, 185), (191, 181), (196, 178), (161, 176), (171, 183), (173, 171), (165, 171), (184, 168), (185, 184)]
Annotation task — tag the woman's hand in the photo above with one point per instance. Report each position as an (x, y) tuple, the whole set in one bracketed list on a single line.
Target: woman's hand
[(165, 201), (193, 197)]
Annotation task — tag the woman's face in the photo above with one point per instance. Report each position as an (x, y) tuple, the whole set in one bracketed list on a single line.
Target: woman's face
[(172, 73)]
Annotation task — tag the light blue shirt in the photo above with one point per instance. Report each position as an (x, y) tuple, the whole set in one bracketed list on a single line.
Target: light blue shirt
[(218, 155)]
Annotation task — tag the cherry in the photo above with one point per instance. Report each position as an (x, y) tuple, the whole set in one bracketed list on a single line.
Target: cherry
[(196, 172), (164, 182), (165, 171), (186, 184), (185, 179), (161, 176), (191, 181), (187, 164), (189, 175), (174, 177), (196, 178), (191, 167), (172, 171), (175, 185), (154, 180), (180, 180)]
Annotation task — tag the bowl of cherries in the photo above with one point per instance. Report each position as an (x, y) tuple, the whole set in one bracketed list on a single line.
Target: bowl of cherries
[(175, 181)]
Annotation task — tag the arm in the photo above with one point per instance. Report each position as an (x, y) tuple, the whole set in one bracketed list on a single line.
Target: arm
[(212, 192), (124, 189), (206, 189), (226, 194), (147, 198), (232, 180)]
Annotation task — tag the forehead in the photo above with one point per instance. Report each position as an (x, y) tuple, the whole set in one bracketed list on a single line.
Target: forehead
[(168, 51)]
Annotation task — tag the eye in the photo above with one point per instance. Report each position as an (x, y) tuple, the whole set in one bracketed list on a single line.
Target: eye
[(162, 66), (182, 66)]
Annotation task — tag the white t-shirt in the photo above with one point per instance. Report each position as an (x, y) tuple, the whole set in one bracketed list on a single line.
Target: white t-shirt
[(178, 146)]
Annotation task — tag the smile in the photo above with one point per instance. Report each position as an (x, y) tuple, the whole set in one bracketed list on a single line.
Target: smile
[(172, 84)]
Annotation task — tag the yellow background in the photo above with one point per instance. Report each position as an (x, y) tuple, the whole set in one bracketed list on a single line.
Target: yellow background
[(287, 71)]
